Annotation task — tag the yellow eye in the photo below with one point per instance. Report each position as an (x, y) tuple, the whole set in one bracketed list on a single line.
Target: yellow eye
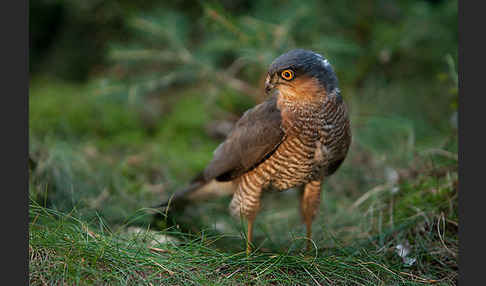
[(287, 74)]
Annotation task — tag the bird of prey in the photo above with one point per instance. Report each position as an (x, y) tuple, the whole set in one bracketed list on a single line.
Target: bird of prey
[(298, 136)]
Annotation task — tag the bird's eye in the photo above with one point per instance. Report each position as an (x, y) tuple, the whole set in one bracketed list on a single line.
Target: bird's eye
[(287, 74)]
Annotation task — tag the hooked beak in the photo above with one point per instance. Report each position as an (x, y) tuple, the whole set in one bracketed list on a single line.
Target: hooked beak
[(269, 86)]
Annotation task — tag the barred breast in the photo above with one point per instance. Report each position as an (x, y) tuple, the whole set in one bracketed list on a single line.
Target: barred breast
[(317, 142)]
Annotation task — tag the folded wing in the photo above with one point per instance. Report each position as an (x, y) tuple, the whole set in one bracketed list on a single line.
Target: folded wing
[(254, 138)]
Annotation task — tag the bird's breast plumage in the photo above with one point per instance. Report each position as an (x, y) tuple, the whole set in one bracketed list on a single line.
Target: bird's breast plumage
[(317, 138)]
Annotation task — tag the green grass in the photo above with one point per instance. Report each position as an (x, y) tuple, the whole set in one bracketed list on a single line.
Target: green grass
[(93, 181), (66, 249)]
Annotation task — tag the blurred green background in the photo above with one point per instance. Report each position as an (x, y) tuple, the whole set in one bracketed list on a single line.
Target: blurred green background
[(128, 99)]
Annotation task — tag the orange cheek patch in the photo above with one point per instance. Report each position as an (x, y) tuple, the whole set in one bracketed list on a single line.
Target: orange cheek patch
[(303, 88)]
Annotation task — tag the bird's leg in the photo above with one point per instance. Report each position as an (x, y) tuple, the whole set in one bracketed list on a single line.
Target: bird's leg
[(309, 205), (249, 235), (246, 202)]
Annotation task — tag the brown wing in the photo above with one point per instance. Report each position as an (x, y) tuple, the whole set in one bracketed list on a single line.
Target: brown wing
[(254, 138)]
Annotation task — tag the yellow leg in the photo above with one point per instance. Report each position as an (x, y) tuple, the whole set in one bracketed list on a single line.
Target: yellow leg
[(249, 236), (246, 203), (309, 205), (308, 224)]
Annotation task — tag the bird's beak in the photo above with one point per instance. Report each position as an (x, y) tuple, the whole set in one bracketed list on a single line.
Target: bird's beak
[(269, 86)]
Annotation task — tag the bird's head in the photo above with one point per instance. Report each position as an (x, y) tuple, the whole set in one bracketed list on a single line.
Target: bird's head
[(301, 75)]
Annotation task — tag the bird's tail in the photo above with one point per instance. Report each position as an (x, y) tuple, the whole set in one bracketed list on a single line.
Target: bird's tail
[(180, 196), (198, 189)]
